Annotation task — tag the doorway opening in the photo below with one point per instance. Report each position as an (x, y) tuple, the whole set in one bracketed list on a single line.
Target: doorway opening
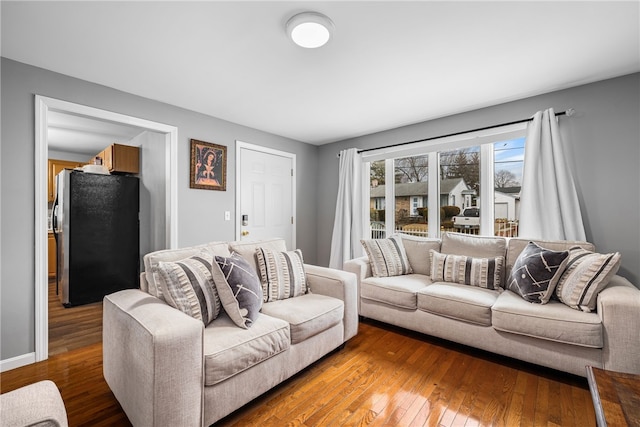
[(45, 109)]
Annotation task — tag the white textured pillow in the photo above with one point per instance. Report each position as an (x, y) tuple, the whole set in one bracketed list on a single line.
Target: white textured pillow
[(586, 274), (188, 286), (281, 273), (479, 272), (387, 257)]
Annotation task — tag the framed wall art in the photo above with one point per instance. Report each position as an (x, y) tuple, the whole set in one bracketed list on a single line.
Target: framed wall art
[(208, 166)]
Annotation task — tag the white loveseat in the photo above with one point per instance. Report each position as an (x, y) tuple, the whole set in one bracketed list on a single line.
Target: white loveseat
[(501, 321), (167, 369)]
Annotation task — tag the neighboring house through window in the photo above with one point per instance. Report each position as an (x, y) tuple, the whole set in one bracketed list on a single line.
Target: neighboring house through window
[(471, 171)]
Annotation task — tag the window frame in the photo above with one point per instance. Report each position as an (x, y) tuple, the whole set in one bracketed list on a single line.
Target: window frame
[(485, 139)]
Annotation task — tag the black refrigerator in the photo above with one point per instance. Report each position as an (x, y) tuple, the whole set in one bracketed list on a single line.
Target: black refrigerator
[(96, 225)]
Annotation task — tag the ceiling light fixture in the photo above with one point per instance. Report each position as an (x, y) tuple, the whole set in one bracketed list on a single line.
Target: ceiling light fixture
[(310, 29)]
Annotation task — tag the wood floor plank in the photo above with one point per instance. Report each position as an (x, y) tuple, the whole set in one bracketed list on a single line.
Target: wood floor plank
[(453, 395), (470, 388), (542, 403), (555, 411), (443, 384), (419, 387)]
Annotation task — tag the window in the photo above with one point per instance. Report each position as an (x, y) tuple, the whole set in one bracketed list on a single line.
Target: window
[(459, 176), (410, 191), (468, 173), (377, 197), (508, 165)]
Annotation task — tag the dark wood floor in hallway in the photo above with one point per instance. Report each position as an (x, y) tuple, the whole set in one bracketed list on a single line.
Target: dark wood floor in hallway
[(74, 327)]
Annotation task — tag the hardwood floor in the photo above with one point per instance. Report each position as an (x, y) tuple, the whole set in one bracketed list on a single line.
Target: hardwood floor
[(385, 376), (74, 327)]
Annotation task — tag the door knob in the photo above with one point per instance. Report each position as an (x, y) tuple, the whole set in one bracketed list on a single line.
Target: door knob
[(245, 233)]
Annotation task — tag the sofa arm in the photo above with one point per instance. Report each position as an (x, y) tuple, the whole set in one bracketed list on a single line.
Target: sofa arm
[(338, 284), (35, 404), (153, 360), (359, 266), (619, 309)]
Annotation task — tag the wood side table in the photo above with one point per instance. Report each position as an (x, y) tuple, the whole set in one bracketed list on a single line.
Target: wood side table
[(616, 397)]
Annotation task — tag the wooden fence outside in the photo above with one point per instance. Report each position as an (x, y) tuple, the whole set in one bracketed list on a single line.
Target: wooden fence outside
[(502, 227)]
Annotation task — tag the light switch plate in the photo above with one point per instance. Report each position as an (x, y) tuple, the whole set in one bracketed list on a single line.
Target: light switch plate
[(227, 216)]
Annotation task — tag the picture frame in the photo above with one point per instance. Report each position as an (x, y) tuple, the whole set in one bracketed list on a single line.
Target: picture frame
[(208, 166)]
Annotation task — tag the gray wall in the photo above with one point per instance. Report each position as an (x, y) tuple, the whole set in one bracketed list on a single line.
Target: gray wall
[(200, 212), (152, 192), (602, 140)]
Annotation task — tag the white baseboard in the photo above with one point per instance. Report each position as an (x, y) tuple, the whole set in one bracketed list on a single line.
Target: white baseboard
[(18, 361)]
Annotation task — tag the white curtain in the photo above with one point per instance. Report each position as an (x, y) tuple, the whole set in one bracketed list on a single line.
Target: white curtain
[(549, 206), (347, 226)]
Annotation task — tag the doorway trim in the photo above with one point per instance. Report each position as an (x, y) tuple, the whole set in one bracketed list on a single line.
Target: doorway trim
[(245, 145), (42, 107)]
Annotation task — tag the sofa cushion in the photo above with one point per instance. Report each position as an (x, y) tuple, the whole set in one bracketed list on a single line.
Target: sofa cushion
[(473, 246), (417, 250), (460, 302), (387, 256), (587, 273), (553, 321), (517, 244), (239, 288), (247, 249), (187, 285), (536, 272), (481, 272), (307, 315), (397, 291), (229, 350), (152, 259), (281, 274)]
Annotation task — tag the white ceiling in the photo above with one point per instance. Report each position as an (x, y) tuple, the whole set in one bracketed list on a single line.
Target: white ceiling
[(84, 135), (389, 63)]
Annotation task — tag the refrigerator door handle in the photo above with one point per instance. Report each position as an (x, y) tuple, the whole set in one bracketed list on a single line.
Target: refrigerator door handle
[(54, 218), (54, 211)]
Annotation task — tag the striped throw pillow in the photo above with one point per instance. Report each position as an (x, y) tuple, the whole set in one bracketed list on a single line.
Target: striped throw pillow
[(281, 273), (479, 272), (387, 257), (586, 274), (188, 286)]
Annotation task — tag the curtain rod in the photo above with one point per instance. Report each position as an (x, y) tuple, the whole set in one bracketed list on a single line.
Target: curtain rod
[(568, 112)]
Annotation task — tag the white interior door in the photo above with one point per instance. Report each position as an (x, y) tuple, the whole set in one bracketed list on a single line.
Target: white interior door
[(266, 186)]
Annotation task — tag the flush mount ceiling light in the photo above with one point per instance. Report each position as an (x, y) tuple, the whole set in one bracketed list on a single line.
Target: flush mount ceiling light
[(309, 29)]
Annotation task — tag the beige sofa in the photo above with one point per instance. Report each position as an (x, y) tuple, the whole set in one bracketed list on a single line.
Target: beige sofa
[(167, 369), (552, 335), (38, 404)]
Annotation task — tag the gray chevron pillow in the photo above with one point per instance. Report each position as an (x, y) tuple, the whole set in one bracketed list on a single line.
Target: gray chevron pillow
[(536, 273), (239, 288)]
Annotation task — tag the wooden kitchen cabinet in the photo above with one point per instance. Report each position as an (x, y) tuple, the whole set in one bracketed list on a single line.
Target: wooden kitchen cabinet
[(51, 249), (54, 167), (121, 158)]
